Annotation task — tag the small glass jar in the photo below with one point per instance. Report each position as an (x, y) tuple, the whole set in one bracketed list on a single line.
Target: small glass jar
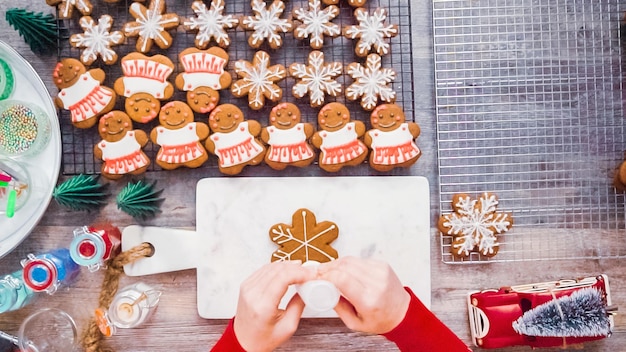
[(48, 329), (46, 272), (24, 128), (130, 308), (14, 294), (93, 245)]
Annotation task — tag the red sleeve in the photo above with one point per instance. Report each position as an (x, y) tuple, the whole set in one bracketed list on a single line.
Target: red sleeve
[(228, 342), (421, 330)]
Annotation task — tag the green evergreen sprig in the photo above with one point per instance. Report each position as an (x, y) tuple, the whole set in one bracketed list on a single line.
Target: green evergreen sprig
[(81, 192), (140, 200), (40, 32)]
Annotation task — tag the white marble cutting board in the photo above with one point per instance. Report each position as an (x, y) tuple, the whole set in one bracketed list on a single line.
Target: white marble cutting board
[(379, 217)]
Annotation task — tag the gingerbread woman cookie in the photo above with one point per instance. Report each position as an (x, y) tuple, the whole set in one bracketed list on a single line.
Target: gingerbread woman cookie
[(204, 76), (81, 92), (338, 138), (317, 79), (266, 24), (234, 139), (316, 23), (121, 147), (391, 139), (144, 84), (211, 24), (179, 137), (371, 32), (287, 138), (305, 239), (258, 80), (66, 7), (97, 40), (151, 25)]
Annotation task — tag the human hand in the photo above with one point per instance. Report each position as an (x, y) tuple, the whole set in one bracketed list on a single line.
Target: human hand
[(259, 324), (373, 298)]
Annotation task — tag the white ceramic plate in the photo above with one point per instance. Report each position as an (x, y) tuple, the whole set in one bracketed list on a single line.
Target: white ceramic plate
[(43, 167)]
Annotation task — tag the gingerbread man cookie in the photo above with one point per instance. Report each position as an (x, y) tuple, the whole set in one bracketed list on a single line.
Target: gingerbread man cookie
[(234, 140), (211, 24), (316, 23), (305, 239), (204, 76), (66, 7), (317, 79), (338, 138), (81, 92), (144, 84), (151, 25), (121, 147), (371, 32), (287, 138), (266, 24), (258, 80), (391, 139), (97, 40), (371, 82), (179, 137)]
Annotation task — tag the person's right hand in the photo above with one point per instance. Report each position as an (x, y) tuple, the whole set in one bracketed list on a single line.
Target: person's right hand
[(373, 298)]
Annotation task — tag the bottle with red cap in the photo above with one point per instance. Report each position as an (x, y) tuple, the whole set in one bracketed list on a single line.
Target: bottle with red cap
[(93, 245), (46, 272)]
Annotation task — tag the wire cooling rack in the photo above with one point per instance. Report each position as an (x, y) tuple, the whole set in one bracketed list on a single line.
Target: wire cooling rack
[(78, 144), (529, 105)]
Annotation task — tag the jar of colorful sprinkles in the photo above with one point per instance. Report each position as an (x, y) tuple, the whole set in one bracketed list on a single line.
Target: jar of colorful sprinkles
[(24, 128)]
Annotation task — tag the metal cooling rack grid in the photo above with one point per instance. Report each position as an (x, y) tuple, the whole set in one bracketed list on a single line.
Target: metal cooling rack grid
[(529, 106), (78, 144)]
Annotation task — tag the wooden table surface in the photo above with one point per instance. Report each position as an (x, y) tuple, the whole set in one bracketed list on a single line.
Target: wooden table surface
[(176, 324)]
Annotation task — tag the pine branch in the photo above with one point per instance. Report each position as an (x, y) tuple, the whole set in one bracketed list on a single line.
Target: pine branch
[(81, 192), (140, 200), (39, 31)]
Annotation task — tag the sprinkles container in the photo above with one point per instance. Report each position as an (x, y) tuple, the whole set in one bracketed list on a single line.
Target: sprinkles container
[(24, 128)]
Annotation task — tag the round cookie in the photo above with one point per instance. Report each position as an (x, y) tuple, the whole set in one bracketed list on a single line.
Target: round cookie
[(121, 147), (338, 138), (81, 92), (179, 137), (234, 140), (287, 138), (391, 140)]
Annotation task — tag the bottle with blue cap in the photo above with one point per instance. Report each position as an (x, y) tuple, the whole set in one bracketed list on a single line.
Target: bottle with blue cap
[(14, 294), (46, 272), (93, 245)]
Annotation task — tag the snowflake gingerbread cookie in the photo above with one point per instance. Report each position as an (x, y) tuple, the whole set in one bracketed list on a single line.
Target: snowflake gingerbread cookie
[(474, 225), (97, 40), (371, 82), (353, 3), (305, 239), (210, 23), (316, 79), (258, 80), (316, 23), (266, 24), (151, 25), (371, 32), (66, 7)]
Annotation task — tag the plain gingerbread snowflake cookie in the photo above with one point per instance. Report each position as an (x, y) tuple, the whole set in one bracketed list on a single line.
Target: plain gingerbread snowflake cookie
[(258, 80), (210, 23), (316, 23), (97, 40)]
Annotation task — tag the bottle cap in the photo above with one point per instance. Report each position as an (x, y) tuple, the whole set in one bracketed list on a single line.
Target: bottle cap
[(87, 249), (104, 324), (319, 295), (40, 274)]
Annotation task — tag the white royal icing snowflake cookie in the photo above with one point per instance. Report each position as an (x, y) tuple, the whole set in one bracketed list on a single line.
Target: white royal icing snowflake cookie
[(316, 79), (316, 23), (371, 32), (258, 80), (353, 3), (474, 225), (97, 40), (151, 25), (266, 24), (371, 82), (66, 7), (210, 23)]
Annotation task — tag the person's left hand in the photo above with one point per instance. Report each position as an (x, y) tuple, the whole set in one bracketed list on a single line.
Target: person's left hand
[(259, 324)]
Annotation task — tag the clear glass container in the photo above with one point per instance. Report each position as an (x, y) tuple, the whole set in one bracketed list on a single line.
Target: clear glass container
[(49, 330), (24, 128)]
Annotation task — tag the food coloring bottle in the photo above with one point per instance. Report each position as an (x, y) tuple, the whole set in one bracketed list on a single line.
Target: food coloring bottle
[(47, 271), (93, 245), (14, 294)]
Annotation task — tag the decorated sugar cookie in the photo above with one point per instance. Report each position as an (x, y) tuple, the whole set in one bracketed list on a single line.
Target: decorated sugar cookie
[(371, 83), (234, 140), (316, 79), (211, 24), (81, 92), (338, 138), (151, 25), (144, 84), (287, 138), (121, 147), (371, 32), (179, 137), (204, 76), (391, 139), (353, 3), (66, 7), (266, 24), (97, 40), (316, 23), (258, 80)]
